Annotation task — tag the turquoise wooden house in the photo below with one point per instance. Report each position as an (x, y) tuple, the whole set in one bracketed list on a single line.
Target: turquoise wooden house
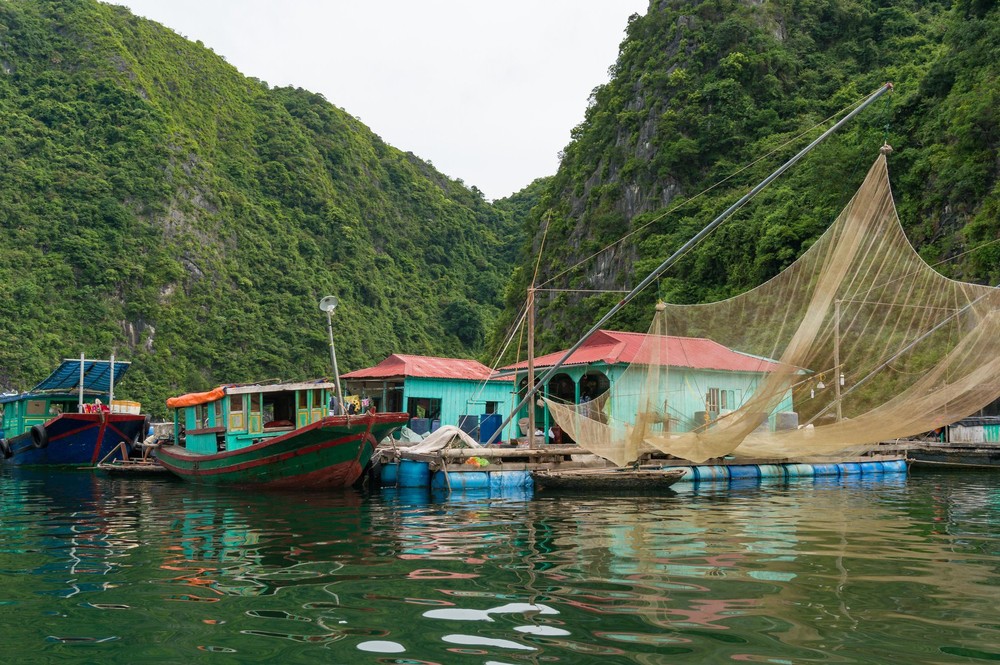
[(436, 392), (704, 379)]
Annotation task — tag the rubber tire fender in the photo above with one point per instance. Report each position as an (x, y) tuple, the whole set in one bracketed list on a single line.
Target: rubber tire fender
[(39, 437)]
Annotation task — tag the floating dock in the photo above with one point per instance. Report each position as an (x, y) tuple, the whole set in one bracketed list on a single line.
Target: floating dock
[(502, 468)]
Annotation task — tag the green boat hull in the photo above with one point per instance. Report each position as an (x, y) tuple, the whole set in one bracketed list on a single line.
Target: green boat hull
[(329, 453)]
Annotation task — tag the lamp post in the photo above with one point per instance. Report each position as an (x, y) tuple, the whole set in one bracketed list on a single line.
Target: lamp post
[(328, 304)]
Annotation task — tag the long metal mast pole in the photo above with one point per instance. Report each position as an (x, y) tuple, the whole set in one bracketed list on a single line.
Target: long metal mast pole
[(684, 248), (333, 359), (79, 406)]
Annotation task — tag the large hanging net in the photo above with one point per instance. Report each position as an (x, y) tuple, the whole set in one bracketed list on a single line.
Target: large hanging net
[(857, 342)]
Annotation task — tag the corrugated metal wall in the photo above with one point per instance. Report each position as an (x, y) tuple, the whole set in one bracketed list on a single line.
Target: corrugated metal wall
[(460, 397)]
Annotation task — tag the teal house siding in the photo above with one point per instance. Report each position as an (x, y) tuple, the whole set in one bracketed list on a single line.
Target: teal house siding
[(460, 397), (434, 391), (702, 380)]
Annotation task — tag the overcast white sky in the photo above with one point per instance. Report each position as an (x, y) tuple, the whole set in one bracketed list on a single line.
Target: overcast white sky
[(487, 91)]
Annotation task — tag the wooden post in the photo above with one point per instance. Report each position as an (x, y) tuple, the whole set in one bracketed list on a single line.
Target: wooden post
[(836, 357), (531, 366)]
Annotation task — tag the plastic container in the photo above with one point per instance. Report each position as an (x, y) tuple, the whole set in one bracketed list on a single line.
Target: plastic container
[(126, 406), (413, 474), (461, 480), (489, 423), (743, 471), (390, 474), (420, 425), (710, 473), (469, 425), (799, 470)]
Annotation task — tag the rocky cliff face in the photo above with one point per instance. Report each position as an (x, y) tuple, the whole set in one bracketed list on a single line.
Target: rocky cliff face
[(703, 90)]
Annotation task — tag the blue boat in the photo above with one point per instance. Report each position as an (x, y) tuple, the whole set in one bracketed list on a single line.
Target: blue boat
[(63, 422)]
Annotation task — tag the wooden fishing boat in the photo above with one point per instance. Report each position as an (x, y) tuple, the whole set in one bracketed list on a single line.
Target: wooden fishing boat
[(608, 479), (272, 435), (62, 421)]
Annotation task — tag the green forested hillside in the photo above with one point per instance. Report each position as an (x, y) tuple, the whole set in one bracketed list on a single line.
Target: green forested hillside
[(156, 203), (701, 89)]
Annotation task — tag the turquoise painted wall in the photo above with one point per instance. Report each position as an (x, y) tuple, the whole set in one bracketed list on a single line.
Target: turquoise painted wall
[(461, 397), (685, 392)]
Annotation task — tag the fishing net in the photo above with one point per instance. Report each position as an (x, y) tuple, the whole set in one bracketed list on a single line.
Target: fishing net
[(857, 342)]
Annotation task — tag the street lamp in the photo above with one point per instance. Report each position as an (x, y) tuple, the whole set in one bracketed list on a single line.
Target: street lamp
[(328, 304)]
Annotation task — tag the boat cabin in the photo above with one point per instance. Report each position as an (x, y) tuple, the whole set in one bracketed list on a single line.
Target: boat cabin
[(76, 386), (236, 416)]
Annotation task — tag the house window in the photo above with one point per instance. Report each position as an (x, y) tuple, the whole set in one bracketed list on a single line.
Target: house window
[(201, 416), (236, 419), (712, 400), (303, 399), (255, 402), (424, 407), (492, 407)]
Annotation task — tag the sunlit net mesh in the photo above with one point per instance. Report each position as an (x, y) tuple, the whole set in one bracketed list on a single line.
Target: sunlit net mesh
[(857, 342)]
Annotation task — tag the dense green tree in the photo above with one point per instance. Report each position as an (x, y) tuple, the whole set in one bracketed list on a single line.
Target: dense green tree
[(159, 205), (702, 88)]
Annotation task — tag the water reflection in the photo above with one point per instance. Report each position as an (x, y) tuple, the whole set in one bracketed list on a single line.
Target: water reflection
[(813, 570)]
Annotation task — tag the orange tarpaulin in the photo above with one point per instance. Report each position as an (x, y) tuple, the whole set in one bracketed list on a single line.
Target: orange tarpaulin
[(193, 399)]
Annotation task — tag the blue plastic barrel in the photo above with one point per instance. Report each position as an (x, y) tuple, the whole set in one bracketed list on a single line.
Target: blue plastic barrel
[(894, 466), (413, 474), (711, 472), (460, 480), (849, 468), (489, 423), (868, 468), (799, 470), (501, 481), (390, 474), (743, 471), (771, 470), (420, 425), (826, 470), (468, 424), (435, 425)]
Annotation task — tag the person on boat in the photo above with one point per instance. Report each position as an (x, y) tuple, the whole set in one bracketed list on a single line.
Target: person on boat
[(352, 408), (101, 406)]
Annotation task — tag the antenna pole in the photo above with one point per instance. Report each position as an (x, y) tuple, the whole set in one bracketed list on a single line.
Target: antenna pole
[(684, 248), (79, 408), (333, 360)]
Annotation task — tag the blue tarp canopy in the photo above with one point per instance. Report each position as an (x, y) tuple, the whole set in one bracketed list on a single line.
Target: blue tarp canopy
[(96, 376)]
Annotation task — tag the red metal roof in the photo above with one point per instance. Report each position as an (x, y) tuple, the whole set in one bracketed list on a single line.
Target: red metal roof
[(398, 365), (614, 347)]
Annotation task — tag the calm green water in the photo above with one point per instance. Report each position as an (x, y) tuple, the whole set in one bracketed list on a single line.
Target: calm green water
[(893, 570)]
